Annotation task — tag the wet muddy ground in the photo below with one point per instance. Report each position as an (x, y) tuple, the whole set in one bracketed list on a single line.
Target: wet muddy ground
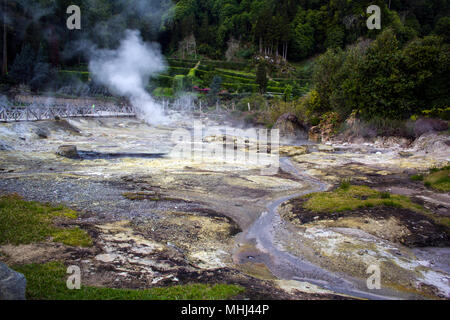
[(160, 219)]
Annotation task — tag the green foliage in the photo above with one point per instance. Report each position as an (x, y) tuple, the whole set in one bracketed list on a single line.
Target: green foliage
[(241, 87), (24, 222), (163, 92), (48, 282), (165, 81), (302, 28), (23, 65), (442, 28), (335, 37), (351, 197), (438, 179), (417, 177), (180, 83), (384, 79), (288, 93), (303, 41), (345, 184), (41, 70), (256, 101), (214, 89), (236, 73), (66, 76), (172, 71)]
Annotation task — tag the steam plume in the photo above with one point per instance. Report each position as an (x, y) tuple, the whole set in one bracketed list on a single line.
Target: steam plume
[(126, 71)]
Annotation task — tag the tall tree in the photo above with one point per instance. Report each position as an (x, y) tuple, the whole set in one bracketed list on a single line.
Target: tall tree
[(261, 77)]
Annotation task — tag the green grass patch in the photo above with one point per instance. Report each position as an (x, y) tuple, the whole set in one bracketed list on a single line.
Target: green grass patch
[(438, 179), (24, 222), (350, 197), (48, 282), (417, 177), (163, 92)]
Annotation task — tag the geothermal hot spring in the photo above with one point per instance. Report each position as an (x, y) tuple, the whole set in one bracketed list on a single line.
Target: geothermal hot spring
[(175, 195), (161, 213)]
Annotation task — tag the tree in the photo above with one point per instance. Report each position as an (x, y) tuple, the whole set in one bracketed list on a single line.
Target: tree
[(215, 87), (261, 78), (41, 70), (335, 37), (442, 28), (23, 65)]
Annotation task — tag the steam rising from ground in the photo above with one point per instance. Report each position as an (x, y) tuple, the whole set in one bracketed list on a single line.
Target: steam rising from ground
[(126, 71)]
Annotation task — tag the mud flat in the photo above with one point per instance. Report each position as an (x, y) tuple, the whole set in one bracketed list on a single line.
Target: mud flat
[(158, 219)]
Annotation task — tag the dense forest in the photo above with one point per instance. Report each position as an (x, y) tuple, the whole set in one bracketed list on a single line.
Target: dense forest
[(315, 56), (293, 29)]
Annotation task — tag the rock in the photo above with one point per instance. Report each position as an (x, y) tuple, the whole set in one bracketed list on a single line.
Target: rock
[(405, 154), (68, 151), (42, 133), (434, 143), (12, 284), (106, 257), (325, 148), (291, 127), (424, 125), (292, 151), (314, 134)]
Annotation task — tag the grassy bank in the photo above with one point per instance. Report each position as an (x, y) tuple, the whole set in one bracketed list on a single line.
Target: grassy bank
[(351, 197), (48, 281), (24, 222), (437, 179)]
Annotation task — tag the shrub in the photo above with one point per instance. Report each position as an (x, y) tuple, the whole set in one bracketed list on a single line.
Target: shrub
[(69, 75), (385, 195), (417, 177), (344, 184), (164, 81)]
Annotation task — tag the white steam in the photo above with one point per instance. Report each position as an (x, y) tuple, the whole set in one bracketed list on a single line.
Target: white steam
[(126, 71)]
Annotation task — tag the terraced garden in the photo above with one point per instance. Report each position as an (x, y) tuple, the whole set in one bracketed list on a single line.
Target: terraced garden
[(194, 75)]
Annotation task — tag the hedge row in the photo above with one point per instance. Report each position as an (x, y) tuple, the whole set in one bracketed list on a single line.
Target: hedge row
[(226, 64), (236, 74), (208, 64), (68, 75), (173, 71), (164, 81), (182, 63), (163, 92), (275, 89), (230, 79), (240, 87)]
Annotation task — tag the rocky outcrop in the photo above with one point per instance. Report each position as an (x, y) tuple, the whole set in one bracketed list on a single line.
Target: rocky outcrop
[(314, 134), (12, 284), (432, 143), (292, 151), (68, 151), (425, 125), (290, 127)]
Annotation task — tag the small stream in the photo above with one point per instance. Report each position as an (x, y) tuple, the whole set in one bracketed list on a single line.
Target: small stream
[(286, 266)]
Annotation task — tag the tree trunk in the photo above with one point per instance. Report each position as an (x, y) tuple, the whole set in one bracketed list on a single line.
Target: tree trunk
[(5, 47)]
